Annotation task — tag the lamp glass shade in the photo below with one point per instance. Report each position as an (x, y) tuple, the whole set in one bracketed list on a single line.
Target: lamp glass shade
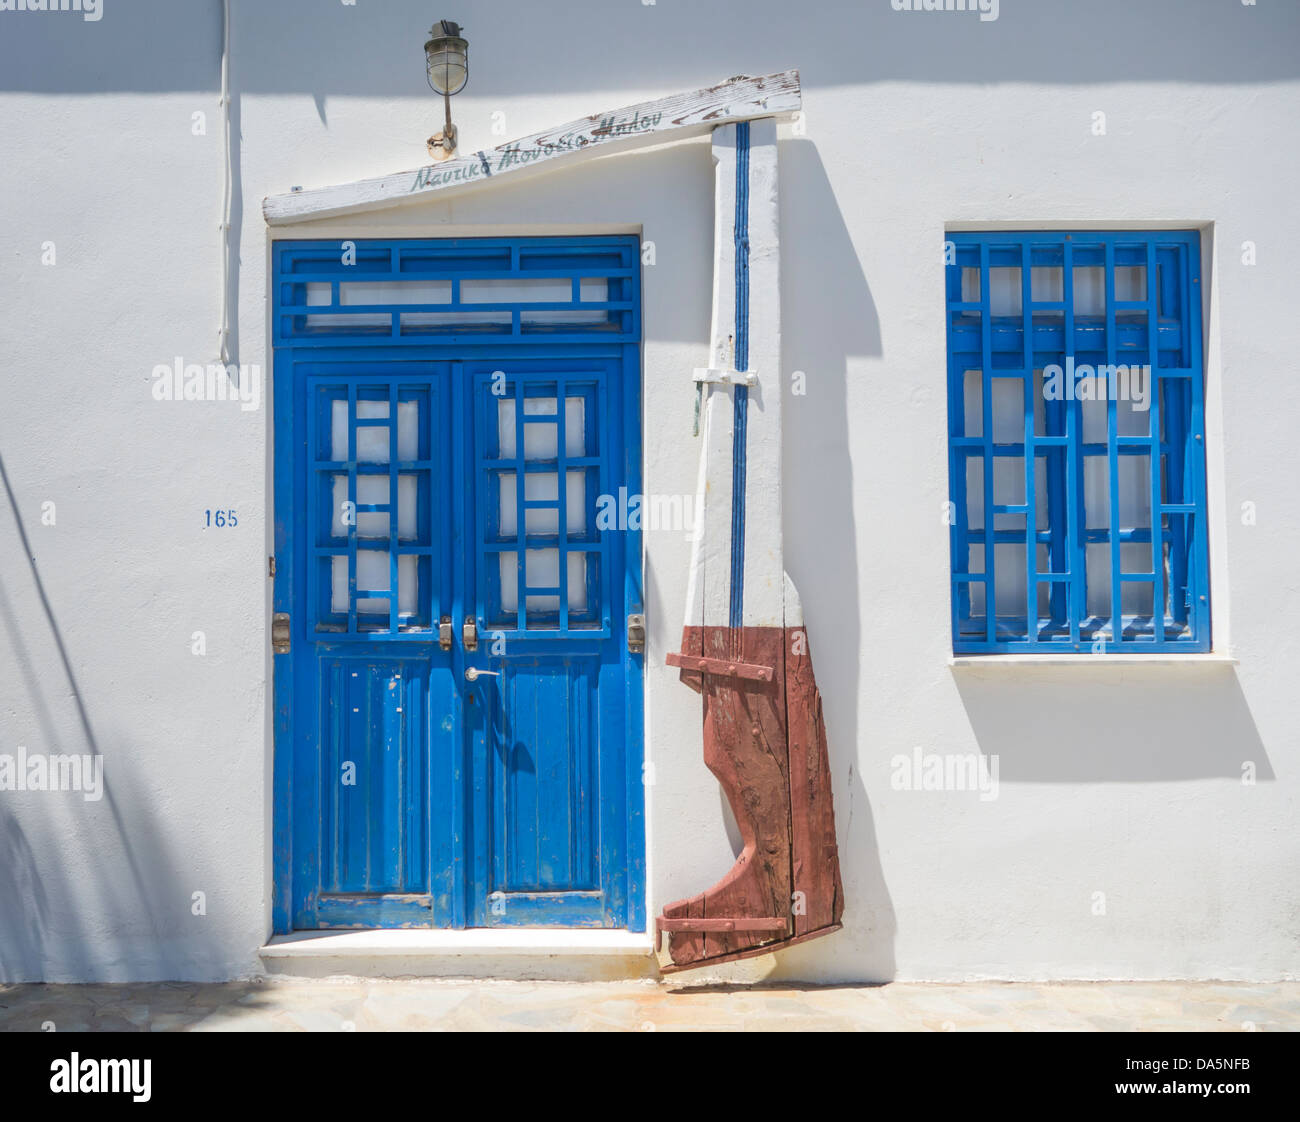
[(448, 59)]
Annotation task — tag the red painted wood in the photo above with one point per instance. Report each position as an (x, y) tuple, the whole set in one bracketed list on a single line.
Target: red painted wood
[(819, 899), (770, 923), (753, 952), (756, 735), (725, 667)]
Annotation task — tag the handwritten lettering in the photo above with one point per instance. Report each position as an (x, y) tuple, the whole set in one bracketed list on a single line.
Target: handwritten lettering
[(514, 155)]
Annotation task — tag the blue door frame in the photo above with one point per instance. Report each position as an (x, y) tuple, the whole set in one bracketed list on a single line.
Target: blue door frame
[(448, 447)]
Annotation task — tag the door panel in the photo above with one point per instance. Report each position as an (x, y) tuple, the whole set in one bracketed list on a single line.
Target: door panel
[(375, 570), (374, 737), (551, 616), (547, 777)]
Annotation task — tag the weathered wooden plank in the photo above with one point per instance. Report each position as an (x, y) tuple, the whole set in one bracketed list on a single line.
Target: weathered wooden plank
[(753, 952), (650, 122), (728, 667), (763, 737), (743, 923), (819, 893), (744, 747)]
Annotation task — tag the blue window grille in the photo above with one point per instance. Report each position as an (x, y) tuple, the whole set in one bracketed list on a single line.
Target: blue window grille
[(543, 566), (374, 504), (473, 290), (1076, 442)]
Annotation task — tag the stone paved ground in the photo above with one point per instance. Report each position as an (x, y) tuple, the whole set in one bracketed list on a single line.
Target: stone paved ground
[(369, 1005)]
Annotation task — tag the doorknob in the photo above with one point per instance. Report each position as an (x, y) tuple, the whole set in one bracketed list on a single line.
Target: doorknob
[(473, 673)]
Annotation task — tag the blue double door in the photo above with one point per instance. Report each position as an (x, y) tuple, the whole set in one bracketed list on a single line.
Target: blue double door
[(458, 715)]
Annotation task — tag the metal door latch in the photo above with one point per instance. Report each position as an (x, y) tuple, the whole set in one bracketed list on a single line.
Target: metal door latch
[(280, 633), (469, 634), (444, 633), (636, 632)]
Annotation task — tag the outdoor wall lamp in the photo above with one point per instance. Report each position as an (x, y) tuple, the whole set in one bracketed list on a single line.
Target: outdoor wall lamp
[(447, 55)]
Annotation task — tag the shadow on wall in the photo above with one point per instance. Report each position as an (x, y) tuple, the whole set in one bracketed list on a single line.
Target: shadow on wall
[(135, 896), (828, 317), (375, 50), (1077, 727)]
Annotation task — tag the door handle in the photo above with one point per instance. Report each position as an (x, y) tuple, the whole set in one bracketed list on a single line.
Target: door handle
[(473, 673)]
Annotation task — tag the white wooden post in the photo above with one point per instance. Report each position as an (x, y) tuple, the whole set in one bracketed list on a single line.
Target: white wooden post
[(750, 519)]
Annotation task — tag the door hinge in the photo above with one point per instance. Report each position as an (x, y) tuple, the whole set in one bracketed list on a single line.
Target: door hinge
[(469, 634), (636, 632), (270, 566), (444, 633), (280, 633)]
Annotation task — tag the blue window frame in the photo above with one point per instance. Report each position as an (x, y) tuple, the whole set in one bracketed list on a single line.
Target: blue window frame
[(1076, 430)]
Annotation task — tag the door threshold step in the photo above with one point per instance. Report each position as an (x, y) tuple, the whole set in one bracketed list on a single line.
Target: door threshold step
[(483, 952)]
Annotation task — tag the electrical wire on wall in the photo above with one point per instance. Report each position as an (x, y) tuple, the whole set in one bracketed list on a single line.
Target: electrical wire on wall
[(223, 331)]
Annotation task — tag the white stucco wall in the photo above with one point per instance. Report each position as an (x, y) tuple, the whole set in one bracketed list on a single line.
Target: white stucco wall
[(1119, 780)]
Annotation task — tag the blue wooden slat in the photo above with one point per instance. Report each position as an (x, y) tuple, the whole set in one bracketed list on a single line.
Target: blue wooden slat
[(740, 393), (958, 540), (1158, 610), (1199, 580), (1030, 460), (986, 436), (352, 498), (562, 495), (521, 552), (1112, 461)]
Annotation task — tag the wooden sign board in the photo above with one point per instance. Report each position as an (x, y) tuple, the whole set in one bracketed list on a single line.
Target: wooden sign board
[(651, 122)]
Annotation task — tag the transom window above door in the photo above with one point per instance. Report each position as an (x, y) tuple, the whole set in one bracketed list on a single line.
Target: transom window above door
[(473, 289), (1076, 442)]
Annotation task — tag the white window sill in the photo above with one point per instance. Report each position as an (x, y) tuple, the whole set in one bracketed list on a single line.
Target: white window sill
[(405, 942), (1012, 661)]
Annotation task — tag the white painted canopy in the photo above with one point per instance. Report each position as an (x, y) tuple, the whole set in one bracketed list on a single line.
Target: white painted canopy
[(651, 122)]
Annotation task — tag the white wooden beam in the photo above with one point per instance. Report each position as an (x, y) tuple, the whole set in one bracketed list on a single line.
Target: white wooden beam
[(651, 122), (747, 188)]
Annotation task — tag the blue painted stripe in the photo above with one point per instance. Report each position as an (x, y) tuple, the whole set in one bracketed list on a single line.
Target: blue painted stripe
[(742, 363)]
